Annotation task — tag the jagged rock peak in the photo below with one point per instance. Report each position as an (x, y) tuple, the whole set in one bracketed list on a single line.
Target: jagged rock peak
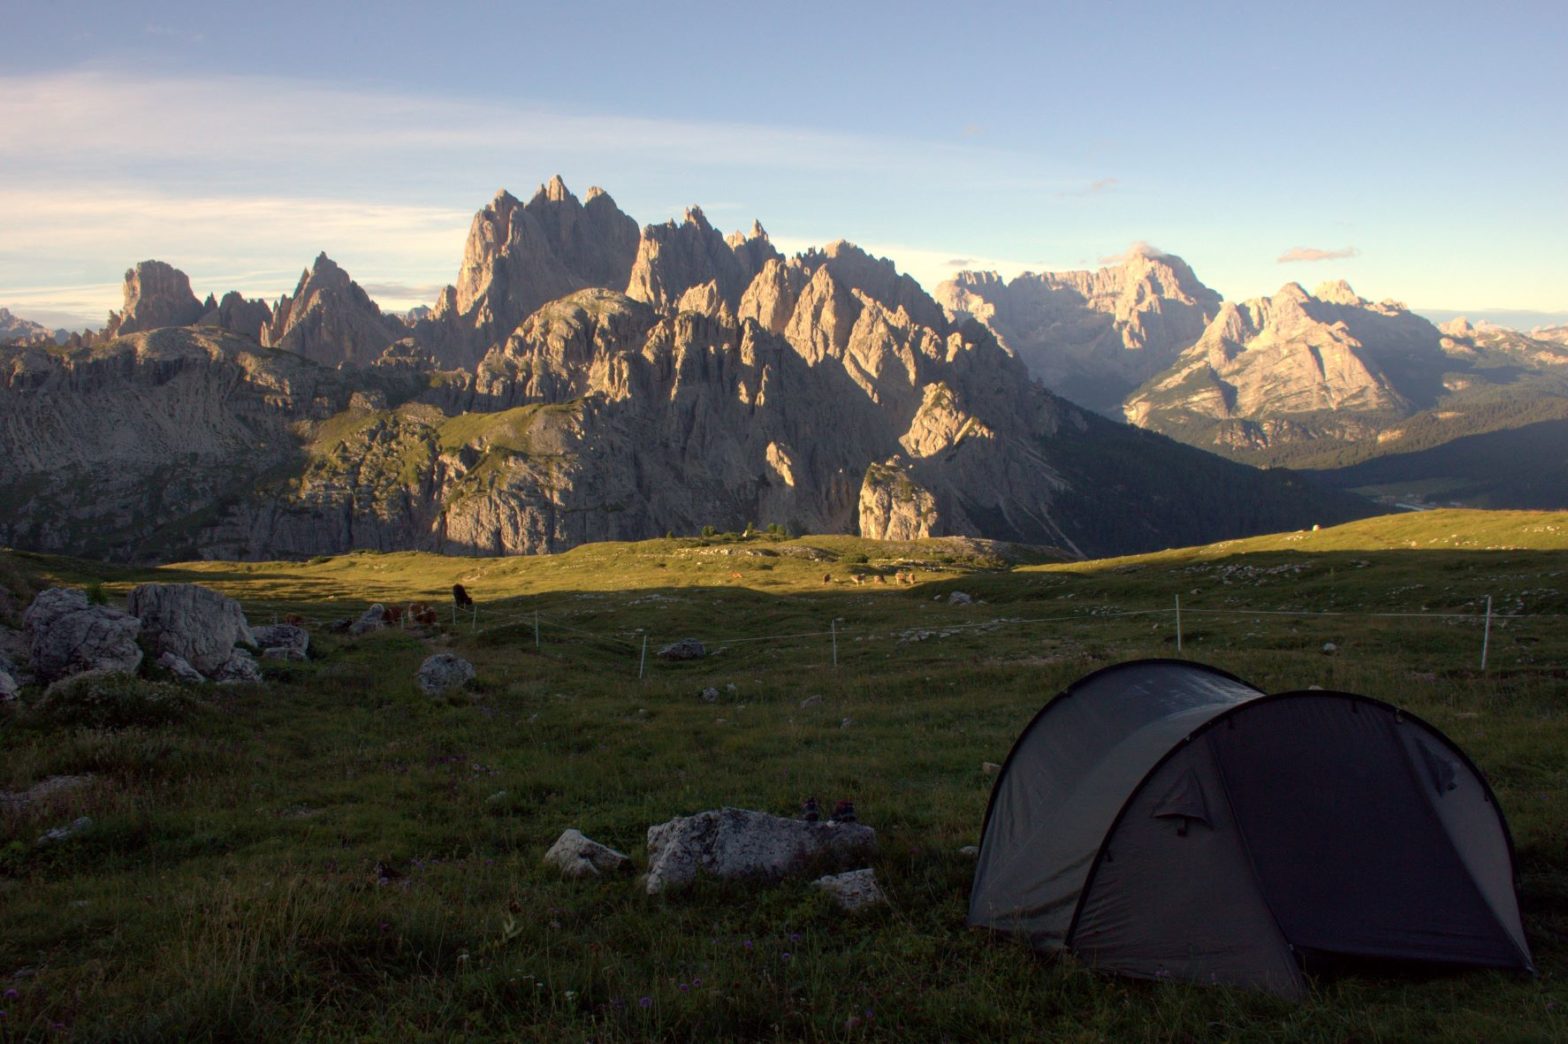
[(156, 294), (330, 319), (695, 216), (1338, 292), (553, 191)]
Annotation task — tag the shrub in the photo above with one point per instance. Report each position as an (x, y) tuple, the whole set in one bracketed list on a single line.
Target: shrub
[(110, 700)]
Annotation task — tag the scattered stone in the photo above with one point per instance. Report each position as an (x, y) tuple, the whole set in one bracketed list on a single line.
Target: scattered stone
[(990, 768), (855, 890), (578, 857), (498, 798), (685, 649), (372, 619), (1329, 648), (732, 688), (17, 800), (66, 833), (959, 598), (734, 843), (972, 851), (195, 623), (443, 673), (283, 642), (811, 701), (181, 668), (8, 686), (846, 723), (240, 668), (710, 695), (68, 635)]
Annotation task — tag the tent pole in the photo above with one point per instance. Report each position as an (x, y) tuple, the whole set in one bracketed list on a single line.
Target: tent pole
[(1178, 623), (1486, 635)]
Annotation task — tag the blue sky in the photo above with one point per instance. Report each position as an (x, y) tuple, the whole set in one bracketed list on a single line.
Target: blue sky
[(1418, 150)]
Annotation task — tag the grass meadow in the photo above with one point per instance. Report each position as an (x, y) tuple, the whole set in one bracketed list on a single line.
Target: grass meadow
[(332, 856)]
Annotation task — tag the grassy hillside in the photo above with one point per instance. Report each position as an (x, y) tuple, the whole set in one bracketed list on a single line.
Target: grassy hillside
[(329, 855)]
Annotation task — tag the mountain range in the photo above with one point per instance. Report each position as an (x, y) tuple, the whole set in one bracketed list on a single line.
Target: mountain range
[(583, 379)]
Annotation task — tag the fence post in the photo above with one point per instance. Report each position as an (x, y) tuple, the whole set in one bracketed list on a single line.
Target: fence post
[(1178, 623), (536, 630), (643, 663), (1486, 634), (833, 630)]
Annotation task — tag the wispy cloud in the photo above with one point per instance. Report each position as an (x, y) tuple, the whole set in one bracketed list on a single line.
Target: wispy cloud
[(1138, 249), (1317, 254), (1094, 188)]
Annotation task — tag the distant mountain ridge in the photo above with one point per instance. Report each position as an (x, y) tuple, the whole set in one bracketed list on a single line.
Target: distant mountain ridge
[(722, 384)]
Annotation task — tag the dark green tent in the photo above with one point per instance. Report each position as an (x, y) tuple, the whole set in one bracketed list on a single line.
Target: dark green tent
[(1163, 819)]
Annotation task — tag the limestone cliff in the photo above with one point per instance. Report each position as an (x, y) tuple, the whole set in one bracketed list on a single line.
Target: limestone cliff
[(156, 295), (1092, 337)]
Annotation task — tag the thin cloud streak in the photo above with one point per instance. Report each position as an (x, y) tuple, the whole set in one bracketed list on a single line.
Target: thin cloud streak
[(1316, 254)]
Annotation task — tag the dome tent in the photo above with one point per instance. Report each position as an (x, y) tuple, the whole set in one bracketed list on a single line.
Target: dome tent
[(1164, 819)]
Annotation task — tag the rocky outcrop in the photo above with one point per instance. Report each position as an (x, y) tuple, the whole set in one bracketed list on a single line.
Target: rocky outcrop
[(68, 635), (1092, 337), (855, 890), (197, 624), (737, 844), (156, 295), (107, 451), (331, 320), (282, 641)]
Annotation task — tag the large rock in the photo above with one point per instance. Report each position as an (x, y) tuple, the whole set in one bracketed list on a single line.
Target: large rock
[(240, 668), (156, 295), (685, 649), (444, 673), (180, 668), (68, 635), (283, 642), (734, 843), (195, 623), (372, 619), (577, 856)]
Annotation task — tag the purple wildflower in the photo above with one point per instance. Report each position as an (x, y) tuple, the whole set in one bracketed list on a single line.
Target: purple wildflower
[(684, 987), (794, 937), (746, 944), (645, 1002), (12, 993), (784, 956), (697, 983)]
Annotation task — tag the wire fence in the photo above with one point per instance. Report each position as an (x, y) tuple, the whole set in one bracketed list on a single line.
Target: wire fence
[(497, 619)]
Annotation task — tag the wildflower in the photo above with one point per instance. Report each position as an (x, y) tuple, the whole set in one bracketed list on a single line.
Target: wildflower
[(784, 956), (697, 983), (645, 1002), (794, 937), (12, 993), (684, 987), (746, 944)]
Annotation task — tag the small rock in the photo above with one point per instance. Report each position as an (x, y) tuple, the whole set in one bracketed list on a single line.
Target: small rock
[(685, 649), (497, 798), (710, 695), (990, 768), (855, 890), (578, 857), (732, 688), (1330, 648), (846, 723), (444, 672), (8, 687), (812, 700), (283, 642), (181, 668), (239, 669), (959, 598), (42, 790), (372, 619), (66, 833), (972, 851)]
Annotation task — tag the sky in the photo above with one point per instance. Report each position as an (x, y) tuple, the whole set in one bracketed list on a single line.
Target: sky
[(1418, 150)]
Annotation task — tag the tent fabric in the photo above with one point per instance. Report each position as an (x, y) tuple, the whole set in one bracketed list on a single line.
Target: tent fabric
[(1166, 820)]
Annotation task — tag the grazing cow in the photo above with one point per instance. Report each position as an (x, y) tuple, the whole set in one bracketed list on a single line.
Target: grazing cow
[(460, 597), (827, 578)]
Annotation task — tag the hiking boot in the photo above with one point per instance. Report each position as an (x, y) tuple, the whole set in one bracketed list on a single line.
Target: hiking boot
[(844, 812), (809, 811)]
